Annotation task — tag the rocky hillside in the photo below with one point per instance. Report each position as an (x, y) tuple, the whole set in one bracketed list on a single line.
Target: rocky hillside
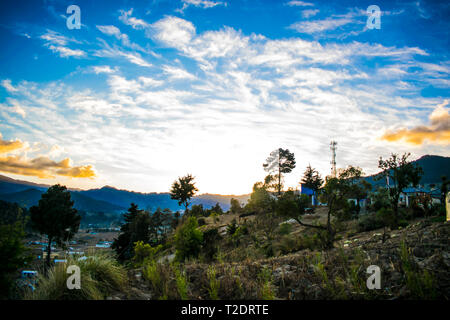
[(414, 263)]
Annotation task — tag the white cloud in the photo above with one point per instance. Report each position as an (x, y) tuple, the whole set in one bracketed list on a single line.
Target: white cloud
[(295, 3), (205, 4), (126, 18), (8, 86), (173, 31), (319, 25), (104, 69), (177, 73), (309, 13), (66, 52)]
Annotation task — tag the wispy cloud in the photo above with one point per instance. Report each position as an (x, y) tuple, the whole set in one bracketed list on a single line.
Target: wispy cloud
[(295, 3), (205, 4)]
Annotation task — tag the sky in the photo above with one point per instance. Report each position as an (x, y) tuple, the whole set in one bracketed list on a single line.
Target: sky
[(144, 92)]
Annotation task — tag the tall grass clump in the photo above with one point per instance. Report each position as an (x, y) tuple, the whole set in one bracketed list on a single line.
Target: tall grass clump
[(420, 283), (100, 275), (265, 279), (214, 284)]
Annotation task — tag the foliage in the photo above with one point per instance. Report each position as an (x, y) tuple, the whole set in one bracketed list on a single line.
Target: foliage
[(380, 199), (55, 216), (211, 240), (419, 282), (183, 190), (280, 161), (13, 255), (214, 284), (135, 228), (144, 251), (188, 240), (402, 173), (235, 206), (312, 179), (100, 276), (260, 200)]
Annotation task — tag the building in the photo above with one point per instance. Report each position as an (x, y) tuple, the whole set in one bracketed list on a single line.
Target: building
[(310, 193)]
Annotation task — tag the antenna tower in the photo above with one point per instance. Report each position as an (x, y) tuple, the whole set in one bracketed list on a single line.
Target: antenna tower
[(333, 145)]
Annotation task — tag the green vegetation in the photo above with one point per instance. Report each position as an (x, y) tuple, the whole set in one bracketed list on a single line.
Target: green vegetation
[(101, 275), (55, 217), (188, 240)]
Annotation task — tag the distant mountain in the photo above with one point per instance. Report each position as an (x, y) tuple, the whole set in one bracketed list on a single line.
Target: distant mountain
[(434, 167), (106, 199), (31, 196), (112, 200), (152, 201)]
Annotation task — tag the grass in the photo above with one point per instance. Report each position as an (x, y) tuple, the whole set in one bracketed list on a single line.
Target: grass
[(214, 284), (100, 276), (420, 283)]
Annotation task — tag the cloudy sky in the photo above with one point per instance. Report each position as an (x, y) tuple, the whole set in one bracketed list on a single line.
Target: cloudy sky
[(146, 91)]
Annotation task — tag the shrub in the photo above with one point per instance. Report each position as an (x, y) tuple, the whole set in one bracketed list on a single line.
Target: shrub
[(285, 229), (188, 240), (143, 252), (370, 222)]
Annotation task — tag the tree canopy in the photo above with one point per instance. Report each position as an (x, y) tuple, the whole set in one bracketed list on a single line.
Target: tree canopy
[(55, 216), (280, 161), (183, 190)]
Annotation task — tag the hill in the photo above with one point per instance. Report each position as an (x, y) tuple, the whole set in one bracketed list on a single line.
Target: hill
[(31, 196), (434, 167)]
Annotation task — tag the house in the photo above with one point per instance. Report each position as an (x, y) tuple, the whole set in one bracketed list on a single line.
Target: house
[(310, 193)]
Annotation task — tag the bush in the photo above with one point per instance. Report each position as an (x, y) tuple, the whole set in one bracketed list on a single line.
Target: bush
[(143, 252), (210, 244), (285, 229), (370, 222), (188, 240)]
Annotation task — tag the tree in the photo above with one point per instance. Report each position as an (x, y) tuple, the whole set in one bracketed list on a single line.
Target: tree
[(311, 179), (55, 217), (261, 201), (235, 206), (183, 190), (13, 255), (358, 187), (280, 161), (188, 240), (402, 173), (136, 228)]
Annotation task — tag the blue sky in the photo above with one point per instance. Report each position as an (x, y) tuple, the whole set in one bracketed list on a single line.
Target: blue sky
[(146, 91)]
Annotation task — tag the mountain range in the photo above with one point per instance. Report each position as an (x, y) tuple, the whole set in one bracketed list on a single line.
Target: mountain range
[(112, 200)]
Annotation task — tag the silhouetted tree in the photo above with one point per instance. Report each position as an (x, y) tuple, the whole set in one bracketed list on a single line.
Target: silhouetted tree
[(55, 217), (183, 190), (280, 161)]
